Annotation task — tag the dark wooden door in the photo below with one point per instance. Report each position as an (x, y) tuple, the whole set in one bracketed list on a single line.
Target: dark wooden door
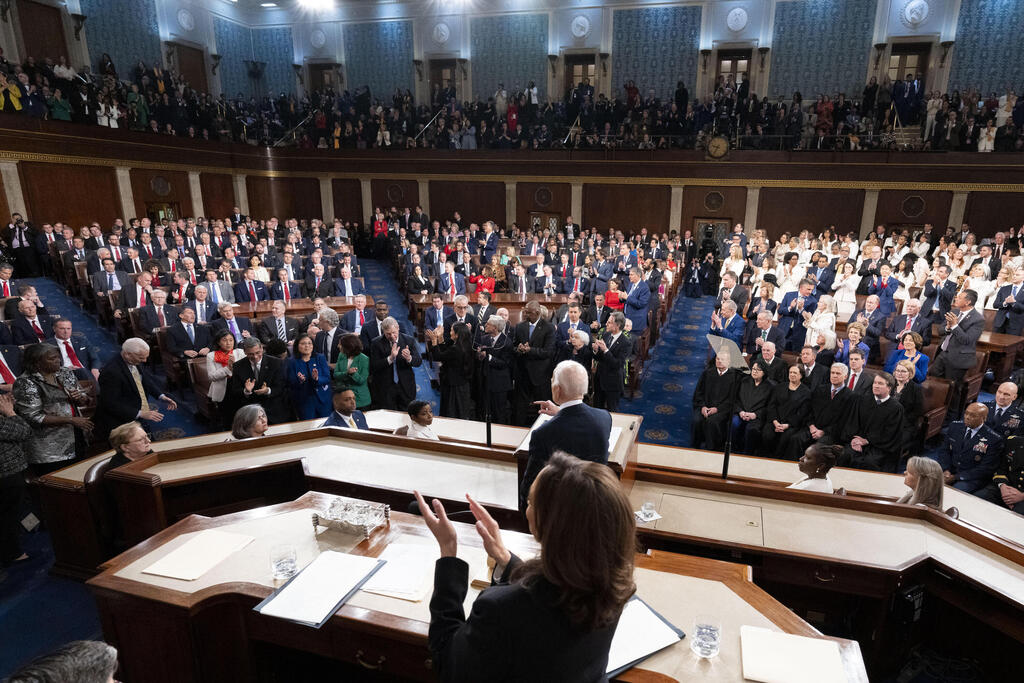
[(442, 73), (192, 65), (42, 30), (323, 76)]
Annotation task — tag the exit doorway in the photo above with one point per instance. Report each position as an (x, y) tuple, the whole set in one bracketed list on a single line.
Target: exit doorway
[(158, 211), (442, 77)]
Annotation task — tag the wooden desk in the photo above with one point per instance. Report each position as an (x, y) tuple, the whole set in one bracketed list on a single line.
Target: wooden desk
[(300, 307), (513, 302), (206, 630)]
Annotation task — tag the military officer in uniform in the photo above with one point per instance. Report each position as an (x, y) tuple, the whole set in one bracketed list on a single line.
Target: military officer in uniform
[(1007, 486), (1004, 416), (973, 451)]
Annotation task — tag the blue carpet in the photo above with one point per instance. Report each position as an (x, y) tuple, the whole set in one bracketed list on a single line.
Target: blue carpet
[(671, 374)]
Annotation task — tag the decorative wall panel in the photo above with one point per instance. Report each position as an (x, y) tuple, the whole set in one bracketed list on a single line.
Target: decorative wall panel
[(656, 47), (989, 52), (379, 55), (274, 46), (127, 30), (234, 44), (510, 49)]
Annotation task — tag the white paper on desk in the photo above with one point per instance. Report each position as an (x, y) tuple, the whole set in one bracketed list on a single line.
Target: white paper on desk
[(640, 633), (315, 593), (198, 555), (407, 573), (774, 657)]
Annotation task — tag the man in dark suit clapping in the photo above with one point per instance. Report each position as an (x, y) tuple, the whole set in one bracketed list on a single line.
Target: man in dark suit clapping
[(610, 354), (575, 428), (393, 356), (259, 378), (534, 345)]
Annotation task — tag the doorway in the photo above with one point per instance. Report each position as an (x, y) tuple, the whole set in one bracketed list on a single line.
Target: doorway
[(192, 65), (732, 66), (42, 30), (540, 220), (323, 77), (577, 69), (442, 77), (158, 211), (909, 58)]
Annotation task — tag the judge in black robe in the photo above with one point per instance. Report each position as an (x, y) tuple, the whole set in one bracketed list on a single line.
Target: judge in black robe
[(755, 390), (873, 437), (829, 410), (712, 403)]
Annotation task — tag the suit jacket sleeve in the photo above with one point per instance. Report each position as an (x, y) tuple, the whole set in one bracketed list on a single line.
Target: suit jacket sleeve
[(464, 649), (546, 349), (117, 403)]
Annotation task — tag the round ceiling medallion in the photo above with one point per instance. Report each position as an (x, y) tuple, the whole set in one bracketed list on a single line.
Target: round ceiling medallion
[(913, 206), (441, 33), (542, 197), (714, 201), (580, 26), (737, 19), (394, 193), (915, 13), (186, 20), (160, 186), (318, 38)]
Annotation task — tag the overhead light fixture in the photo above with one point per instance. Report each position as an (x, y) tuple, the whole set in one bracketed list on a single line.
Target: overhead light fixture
[(316, 4), (268, 4)]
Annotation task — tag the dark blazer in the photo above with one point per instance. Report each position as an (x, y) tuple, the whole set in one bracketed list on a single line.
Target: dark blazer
[(514, 285), (149, 320), (99, 280), (86, 357), (325, 289), (579, 430), (1009, 423), (242, 291), (535, 364), (972, 460), (339, 287), (370, 331), (381, 370), (497, 368), (444, 286), (277, 290), (22, 333), (320, 344), (818, 376), (922, 325), (739, 294), (272, 374), (541, 280), (335, 420), (753, 332), (178, 342), (864, 381), (220, 324), (944, 297), (11, 308), (119, 400), (608, 375), (513, 633), (636, 304), (469, 319), (209, 311), (266, 328), (963, 341), (1009, 316)]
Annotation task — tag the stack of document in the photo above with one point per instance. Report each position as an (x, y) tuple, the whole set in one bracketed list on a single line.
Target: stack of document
[(774, 657), (407, 573), (313, 595), (198, 555)]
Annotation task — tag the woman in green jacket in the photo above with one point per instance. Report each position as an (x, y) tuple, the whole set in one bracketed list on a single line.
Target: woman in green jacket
[(60, 108), (141, 107), (352, 370)]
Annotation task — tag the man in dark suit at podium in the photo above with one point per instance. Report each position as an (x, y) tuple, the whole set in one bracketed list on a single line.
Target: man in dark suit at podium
[(576, 428)]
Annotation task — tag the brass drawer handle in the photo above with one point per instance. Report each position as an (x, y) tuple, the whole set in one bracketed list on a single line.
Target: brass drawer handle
[(373, 667), (827, 578)]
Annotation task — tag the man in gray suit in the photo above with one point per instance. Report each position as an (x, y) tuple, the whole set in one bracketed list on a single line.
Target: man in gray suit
[(219, 290), (964, 325)]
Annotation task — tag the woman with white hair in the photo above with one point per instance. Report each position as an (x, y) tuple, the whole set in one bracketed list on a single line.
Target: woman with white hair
[(250, 421), (821, 323)]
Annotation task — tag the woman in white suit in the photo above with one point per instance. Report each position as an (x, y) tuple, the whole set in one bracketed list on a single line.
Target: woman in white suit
[(822, 322), (845, 290), (218, 369)]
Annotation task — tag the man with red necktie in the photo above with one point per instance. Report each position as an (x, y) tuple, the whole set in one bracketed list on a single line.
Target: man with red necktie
[(29, 327), (75, 353), (251, 289)]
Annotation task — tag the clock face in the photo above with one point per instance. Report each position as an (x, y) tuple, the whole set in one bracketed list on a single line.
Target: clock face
[(580, 26), (186, 20), (718, 147), (737, 19), (318, 38), (441, 33)]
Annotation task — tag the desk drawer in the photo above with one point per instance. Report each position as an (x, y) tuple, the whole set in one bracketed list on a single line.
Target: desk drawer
[(712, 519), (832, 576)]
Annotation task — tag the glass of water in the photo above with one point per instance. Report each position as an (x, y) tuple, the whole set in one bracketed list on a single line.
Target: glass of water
[(283, 564), (647, 510), (706, 637)]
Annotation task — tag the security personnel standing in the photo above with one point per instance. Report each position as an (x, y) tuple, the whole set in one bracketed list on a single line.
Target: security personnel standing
[(1007, 487)]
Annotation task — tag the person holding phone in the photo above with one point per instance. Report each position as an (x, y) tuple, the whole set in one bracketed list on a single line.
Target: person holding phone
[(548, 618)]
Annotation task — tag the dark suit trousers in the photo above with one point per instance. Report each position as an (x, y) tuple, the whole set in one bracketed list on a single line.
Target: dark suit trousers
[(609, 400), (390, 396), (940, 368), (12, 491)]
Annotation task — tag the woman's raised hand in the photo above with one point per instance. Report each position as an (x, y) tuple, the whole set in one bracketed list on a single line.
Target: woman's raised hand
[(439, 525), (489, 532)]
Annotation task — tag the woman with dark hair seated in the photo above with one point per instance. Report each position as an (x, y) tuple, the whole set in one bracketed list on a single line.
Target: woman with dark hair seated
[(421, 416), (815, 464), (751, 403), (551, 618), (787, 412), (250, 421), (911, 352)]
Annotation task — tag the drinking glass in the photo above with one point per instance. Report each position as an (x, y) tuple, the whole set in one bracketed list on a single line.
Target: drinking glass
[(706, 636), (283, 564)]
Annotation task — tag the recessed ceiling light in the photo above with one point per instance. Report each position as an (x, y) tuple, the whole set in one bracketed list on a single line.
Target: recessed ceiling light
[(316, 4), (268, 4)]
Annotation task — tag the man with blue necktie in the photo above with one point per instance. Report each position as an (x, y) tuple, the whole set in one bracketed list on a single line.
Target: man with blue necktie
[(1009, 305), (791, 310), (638, 296), (821, 274), (241, 328)]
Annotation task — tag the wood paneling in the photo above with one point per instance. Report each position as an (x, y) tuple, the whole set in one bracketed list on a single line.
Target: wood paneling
[(397, 193), (626, 206), (77, 195), (719, 203), (476, 202), (989, 212), (348, 200), (42, 30), (5, 210), (147, 186), (792, 210), (543, 197), (897, 207), (218, 194), (192, 65), (284, 197)]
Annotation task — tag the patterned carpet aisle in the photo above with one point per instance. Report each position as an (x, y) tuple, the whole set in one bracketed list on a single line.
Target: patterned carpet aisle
[(672, 371), (381, 284)]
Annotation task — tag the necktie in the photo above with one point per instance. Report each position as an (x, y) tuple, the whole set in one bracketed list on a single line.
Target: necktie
[(1015, 288), (286, 290), (853, 380), (174, 265), (144, 406), (5, 372), (214, 292), (138, 266), (191, 333), (234, 329), (281, 331), (149, 251), (351, 422), (38, 330), (142, 297), (764, 335), (181, 294), (576, 285), (452, 281), (201, 311), (7, 288), (110, 282), (117, 253), (160, 316), (192, 276), (725, 294), (49, 237), (999, 413), (362, 320), (522, 285), (252, 291), (318, 283)]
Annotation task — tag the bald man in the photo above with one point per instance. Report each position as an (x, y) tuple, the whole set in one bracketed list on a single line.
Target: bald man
[(972, 452), (1004, 416)]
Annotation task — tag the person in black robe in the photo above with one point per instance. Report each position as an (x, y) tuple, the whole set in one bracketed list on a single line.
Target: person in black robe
[(712, 403), (829, 410), (755, 390), (873, 436), (787, 413)]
